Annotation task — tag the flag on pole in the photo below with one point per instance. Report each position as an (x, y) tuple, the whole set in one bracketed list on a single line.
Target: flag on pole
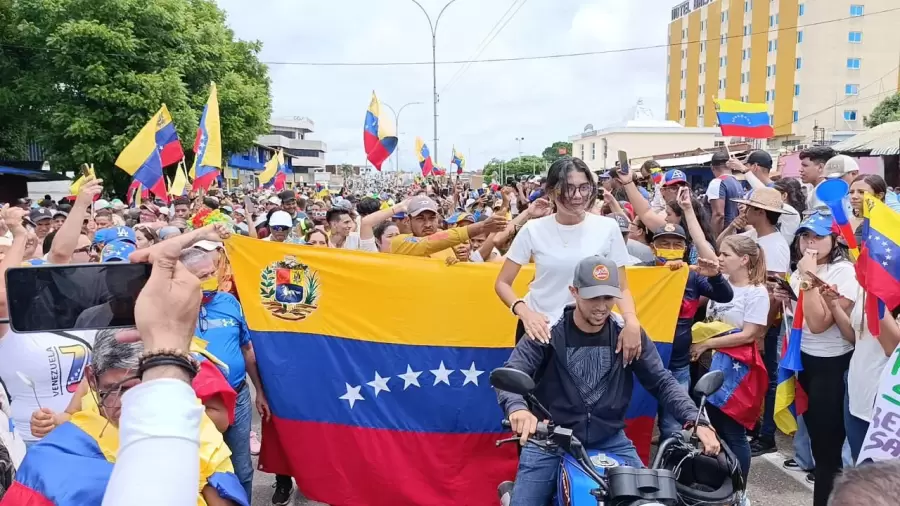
[(424, 155), (878, 267), (208, 144), (155, 146), (281, 176), (459, 160), (743, 119), (379, 138), (271, 168)]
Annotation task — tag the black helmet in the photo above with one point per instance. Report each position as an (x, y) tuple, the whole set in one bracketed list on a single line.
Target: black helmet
[(702, 479)]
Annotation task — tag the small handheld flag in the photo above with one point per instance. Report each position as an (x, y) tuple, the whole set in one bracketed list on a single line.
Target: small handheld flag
[(154, 147), (459, 160), (87, 173), (208, 144), (743, 119), (878, 267), (178, 186)]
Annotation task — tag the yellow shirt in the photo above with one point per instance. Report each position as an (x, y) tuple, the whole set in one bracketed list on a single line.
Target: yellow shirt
[(438, 245)]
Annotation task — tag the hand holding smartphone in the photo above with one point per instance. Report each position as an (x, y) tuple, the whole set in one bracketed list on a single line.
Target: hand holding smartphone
[(781, 283)]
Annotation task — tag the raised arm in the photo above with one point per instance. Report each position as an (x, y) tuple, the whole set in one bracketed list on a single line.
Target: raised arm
[(66, 239), (641, 207), (704, 248)]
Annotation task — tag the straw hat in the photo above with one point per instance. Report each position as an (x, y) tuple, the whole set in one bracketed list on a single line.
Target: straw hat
[(765, 198)]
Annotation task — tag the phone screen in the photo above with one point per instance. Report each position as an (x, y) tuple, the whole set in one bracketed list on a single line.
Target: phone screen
[(623, 162), (50, 298)]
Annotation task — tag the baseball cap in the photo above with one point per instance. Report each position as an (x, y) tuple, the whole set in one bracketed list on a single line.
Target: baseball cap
[(117, 251), (460, 216), (260, 221), (670, 230), (719, 158), (281, 219), (421, 204), (840, 165), (274, 200), (761, 158), (149, 206), (108, 235), (60, 213), (168, 232), (674, 176), (287, 195), (101, 204), (624, 224), (208, 245), (817, 223), (40, 214), (399, 216), (596, 276)]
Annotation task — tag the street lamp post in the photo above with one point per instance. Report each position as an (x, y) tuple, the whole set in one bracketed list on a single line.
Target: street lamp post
[(519, 140), (397, 126), (434, 27)]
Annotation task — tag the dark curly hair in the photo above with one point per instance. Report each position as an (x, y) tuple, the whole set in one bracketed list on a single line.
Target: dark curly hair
[(557, 180)]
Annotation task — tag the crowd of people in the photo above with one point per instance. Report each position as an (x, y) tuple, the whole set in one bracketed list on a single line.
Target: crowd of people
[(751, 242)]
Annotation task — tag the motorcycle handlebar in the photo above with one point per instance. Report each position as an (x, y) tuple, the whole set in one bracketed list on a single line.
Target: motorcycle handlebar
[(541, 432)]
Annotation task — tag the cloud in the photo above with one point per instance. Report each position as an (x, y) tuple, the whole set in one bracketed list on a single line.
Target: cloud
[(485, 109)]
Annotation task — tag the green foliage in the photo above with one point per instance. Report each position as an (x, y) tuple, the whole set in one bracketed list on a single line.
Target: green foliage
[(91, 73), (523, 166), (267, 285), (551, 153), (885, 112)]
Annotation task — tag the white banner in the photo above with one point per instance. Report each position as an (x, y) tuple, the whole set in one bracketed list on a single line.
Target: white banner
[(883, 438)]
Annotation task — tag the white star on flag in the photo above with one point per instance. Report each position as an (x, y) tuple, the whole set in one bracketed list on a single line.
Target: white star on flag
[(441, 374), (352, 395), (379, 384), (471, 374), (736, 366), (410, 377)]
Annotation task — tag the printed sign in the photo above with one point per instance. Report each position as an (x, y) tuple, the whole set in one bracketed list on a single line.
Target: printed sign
[(883, 438)]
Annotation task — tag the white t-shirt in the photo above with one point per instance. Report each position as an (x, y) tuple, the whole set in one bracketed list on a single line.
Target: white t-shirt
[(556, 250), (368, 245), (712, 191), (475, 256), (352, 241), (828, 343), (750, 304), (789, 223), (54, 363), (776, 249), (865, 366)]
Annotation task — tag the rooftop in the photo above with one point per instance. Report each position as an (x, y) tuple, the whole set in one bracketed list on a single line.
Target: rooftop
[(640, 119)]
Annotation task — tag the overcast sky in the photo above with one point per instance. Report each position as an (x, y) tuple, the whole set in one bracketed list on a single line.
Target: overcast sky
[(490, 104)]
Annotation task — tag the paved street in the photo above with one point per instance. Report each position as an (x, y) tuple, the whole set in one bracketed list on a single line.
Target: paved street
[(770, 483)]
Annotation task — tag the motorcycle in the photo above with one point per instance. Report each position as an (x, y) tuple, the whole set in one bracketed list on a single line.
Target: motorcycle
[(680, 474)]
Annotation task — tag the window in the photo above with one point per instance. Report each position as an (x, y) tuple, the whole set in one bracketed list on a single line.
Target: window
[(857, 10), (682, 94), (721, 84), (744, 78), (799, 36), (702, 68), (700, 110), (682, 74), (747, 5), (854, 63), (771, 20), (855, 37), (700, 89), (850, 115), (747, 30), (722, 39), (682, 114), (796, 116), (744, 54), (799, 63), (723, 60), (683, 54), (683, 34), (801, 9), (703, 25), (593, 150), (768, 96), (796, 90), (851, 89), (702, 46), (582, 152), (770, 70), (724, 16)]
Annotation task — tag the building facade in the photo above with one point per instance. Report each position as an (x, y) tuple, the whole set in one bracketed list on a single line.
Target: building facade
[(303, 156), (820, 65)]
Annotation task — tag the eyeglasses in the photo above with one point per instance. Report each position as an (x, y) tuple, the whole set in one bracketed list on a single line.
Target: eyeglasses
[(83, 249), (584, 189), (201, 321), (108, 398)]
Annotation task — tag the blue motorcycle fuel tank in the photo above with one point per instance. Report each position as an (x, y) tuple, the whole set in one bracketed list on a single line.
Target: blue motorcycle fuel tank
[(573, 486)]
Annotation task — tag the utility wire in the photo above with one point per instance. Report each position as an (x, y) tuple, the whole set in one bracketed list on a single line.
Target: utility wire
[(489, 38), (499, 60)]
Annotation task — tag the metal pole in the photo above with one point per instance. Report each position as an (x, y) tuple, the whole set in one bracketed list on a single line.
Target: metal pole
[(434, 27), (397, 126)]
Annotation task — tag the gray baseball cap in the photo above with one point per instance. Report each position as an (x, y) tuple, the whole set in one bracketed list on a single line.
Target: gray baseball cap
[(421, 204), (597, 276)]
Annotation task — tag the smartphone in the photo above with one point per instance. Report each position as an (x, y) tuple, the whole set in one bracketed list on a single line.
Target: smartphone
[(510, 181), (480, 192), (55, 298), (816, 280), (783, 284), (623, 162)]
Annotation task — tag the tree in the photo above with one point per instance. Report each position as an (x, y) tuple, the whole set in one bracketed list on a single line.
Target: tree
[(528, 165), (552, 154), (13, 133), (885, 112), (97, 70)]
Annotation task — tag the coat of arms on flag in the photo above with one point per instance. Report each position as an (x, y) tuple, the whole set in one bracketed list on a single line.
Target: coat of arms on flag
[(289, 289)]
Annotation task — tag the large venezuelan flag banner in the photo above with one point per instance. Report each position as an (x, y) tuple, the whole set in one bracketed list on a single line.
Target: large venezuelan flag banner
[(376, 370)]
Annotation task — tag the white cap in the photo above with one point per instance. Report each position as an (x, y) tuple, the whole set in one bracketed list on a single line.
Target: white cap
[(274, 200), (208, 245), (281, 219), (470, 202), (260, 220), (840, 165), (101, 204), (164, 210)]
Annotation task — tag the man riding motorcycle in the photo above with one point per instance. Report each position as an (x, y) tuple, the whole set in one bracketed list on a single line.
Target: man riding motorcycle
[(585, 385)]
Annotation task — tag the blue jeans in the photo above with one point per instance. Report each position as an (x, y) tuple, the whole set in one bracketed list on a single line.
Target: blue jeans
[(539, 469), (734, 435), (802, 449), (668, 425), (237, 437), (771, 358), (856, 429)]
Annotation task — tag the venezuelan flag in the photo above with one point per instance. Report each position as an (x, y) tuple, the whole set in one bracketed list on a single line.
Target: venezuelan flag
[(71, 466), (208, 144), (424, 155), (355, 365), (272, 169), (379, 137), (155, 146), (790, 400), (459, 160), (742, 119), (136, 193), (878, 268)]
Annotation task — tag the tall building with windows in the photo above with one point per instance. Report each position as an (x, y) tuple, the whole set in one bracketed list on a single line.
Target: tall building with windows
[(816, 63)]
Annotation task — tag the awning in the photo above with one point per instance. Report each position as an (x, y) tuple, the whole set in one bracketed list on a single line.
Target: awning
[(685, 160), (32, 175), (879, 141)]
